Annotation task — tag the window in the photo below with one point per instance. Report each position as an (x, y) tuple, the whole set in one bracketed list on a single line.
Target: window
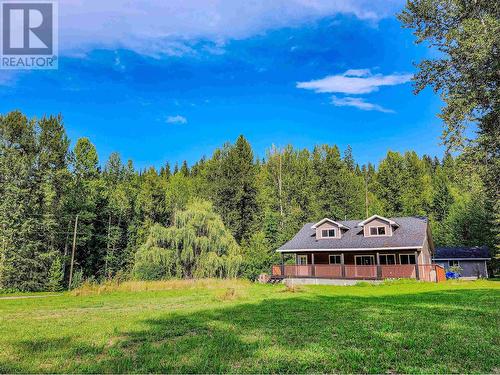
[(407, 259), (377, 231), (365, 260), (452, 263), (387, 259), (301, 260), (325, 233), (335, 259)]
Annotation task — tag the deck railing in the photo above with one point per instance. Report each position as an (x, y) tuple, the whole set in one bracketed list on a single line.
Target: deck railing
[(427, 272)]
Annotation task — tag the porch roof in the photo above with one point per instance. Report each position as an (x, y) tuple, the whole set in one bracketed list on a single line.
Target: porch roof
[(410, 234)]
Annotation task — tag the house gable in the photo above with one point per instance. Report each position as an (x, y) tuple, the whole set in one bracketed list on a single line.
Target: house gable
[(321, 231), (378, 226), (328, 229)]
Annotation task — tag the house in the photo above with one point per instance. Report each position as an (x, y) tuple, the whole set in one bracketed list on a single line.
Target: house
[(471, 260), (372, 249)]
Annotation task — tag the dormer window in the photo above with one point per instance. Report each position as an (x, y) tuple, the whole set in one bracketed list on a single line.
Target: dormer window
[(377, 231), (328, 233), (328, 228), (378, 226)]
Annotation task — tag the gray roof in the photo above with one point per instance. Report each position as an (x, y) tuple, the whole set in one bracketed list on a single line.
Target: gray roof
[(459, 252), (411, 233)]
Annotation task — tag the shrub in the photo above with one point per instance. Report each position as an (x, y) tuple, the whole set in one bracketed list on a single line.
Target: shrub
[(456, 269)]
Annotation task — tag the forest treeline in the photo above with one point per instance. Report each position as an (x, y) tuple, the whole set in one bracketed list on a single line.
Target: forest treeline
[(222, 216)]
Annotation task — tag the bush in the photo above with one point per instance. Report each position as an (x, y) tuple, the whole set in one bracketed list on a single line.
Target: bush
[(454, 272)]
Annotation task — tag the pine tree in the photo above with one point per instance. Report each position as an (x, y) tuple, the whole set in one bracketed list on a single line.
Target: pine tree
[(442, 198), (184, 169), (391, 181), (23, 261), (339, 192), (87, 200), (349, 159), (233, 178), (56, 276), (417, 190), (285, 184), (165, 171)]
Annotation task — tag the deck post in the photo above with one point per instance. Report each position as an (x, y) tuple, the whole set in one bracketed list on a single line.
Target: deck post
[(342, 265), (313, 268), (417, 273), (282, 264), (379, 269)]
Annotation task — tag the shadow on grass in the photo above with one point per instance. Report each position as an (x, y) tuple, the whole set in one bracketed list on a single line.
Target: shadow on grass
[(445, 331)]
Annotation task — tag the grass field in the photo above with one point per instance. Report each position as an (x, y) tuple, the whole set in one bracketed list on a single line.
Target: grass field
[(234, 326)]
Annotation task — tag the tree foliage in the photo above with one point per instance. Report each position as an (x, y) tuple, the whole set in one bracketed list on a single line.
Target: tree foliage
[(466, 73), (197, 245), (223, 216)]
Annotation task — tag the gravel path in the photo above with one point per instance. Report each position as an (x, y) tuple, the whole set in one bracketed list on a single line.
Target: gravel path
[(23, 297)]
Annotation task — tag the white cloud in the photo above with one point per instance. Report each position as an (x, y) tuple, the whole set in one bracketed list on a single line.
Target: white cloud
[(359, 103), (177, 119), (354, 81), (160, 27)]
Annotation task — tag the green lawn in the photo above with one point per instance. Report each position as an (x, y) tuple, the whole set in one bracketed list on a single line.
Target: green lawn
[(405, 328)]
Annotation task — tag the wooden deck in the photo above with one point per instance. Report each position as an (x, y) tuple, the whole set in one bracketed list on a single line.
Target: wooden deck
[(426, 272)]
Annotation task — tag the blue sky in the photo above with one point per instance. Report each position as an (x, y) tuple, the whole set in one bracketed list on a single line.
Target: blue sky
[(164, 83)]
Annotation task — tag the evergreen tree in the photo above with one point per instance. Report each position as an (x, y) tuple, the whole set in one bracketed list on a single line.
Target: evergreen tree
[(262, 202), (165, 171), (349, 159), (86, 200), (184, 169), (151, 206), (468, 219), (417, 190), (56, 276), (258, 257), (23, 262), (285, 193), (442, 198), (391, 181), (233, 178)]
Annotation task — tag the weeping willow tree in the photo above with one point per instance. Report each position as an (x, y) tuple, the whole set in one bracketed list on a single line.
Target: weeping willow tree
[(197, 245)]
